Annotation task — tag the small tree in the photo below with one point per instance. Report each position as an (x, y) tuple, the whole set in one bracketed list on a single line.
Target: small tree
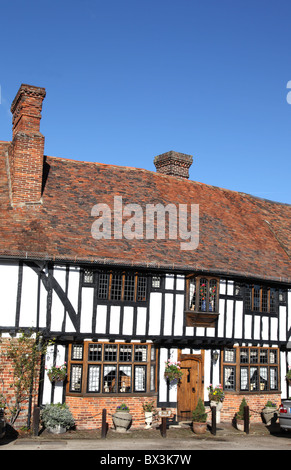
[(199, 415), (241, 411), (24, 354)]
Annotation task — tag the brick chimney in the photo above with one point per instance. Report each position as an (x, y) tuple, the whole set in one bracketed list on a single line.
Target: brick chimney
[(27, 146), (173, 164)]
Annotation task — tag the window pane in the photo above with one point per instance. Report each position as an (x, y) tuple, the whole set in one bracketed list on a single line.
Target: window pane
[(103, 286), (140, 353), (156, 282), (265, 299), (263, 356), (128, 288), (257, 291), (124, 380), (109, 379), (202, 295), (116, 287), (254, 356), (244, 378), (88, 276), (77, 352), (141, 289), (140, 378), (263, 378), (95, 352), (192, 293), (229, 377), (110, 352), (273, 378), (273, 356), (248, 297), (125, 353), (212, 295), (254, 379), (229, 355), (153, 375), (94, 378), (76, 378), (244, 356), (272, 301)]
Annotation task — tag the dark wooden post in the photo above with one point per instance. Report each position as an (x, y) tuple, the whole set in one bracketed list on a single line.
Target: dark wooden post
[(213, 420), (246, 419), (104, 424), (164, 425), (36, 417)]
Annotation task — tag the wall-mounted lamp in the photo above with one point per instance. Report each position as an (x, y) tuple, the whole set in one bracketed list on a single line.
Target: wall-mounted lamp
[(215, 356)]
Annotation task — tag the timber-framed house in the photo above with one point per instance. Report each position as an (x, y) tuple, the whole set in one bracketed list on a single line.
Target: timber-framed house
[(121, 302)]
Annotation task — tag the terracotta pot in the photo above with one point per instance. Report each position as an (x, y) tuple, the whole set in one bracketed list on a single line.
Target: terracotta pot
[(199, 428)]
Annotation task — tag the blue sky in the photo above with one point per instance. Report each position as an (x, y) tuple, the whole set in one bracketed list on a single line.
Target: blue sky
[(127, 80)]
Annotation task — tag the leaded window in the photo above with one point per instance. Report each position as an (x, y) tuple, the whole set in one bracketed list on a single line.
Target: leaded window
[(112, 368), (263, 299), (251, 369), (203, 294)]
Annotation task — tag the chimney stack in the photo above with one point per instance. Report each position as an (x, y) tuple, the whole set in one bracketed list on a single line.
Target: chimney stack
[(173, 164), (27, 147)]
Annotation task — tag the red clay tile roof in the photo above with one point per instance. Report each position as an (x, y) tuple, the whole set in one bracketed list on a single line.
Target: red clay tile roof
[(239, 234)]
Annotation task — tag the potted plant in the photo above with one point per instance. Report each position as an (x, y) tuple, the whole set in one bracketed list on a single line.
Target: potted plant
[(288, 375), (173, 371), (270, 412), (57, 373), (239, 417), (199, 417), (57, 418), (122, 418), (149, 411), (216, 397)]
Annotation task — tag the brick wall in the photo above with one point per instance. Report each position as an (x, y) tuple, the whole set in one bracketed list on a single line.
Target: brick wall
[(87, 411), (255, 403), (6, 389)]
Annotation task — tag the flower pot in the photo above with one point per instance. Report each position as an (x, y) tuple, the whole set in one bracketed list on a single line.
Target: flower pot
[(199, 428), (121, 420), (148, 419), (240, 424), (218, 405), (269, 414), (58, 429)]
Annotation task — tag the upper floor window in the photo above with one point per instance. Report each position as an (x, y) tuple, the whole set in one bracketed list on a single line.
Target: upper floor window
[(262, 298), (203, 294), (118, 286)]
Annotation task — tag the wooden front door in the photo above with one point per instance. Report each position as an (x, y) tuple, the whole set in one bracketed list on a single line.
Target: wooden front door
[(190, 386)]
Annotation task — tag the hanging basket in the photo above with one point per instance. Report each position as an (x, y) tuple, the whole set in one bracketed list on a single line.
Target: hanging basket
[(56, 378)]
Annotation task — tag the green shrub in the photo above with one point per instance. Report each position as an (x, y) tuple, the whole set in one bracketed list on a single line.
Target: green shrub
[(199, 415), (54, 414)]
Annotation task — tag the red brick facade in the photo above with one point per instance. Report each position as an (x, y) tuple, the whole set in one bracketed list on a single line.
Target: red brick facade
[(7, 389)]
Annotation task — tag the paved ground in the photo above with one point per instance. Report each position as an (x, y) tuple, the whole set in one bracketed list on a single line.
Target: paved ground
[(141, 444)]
